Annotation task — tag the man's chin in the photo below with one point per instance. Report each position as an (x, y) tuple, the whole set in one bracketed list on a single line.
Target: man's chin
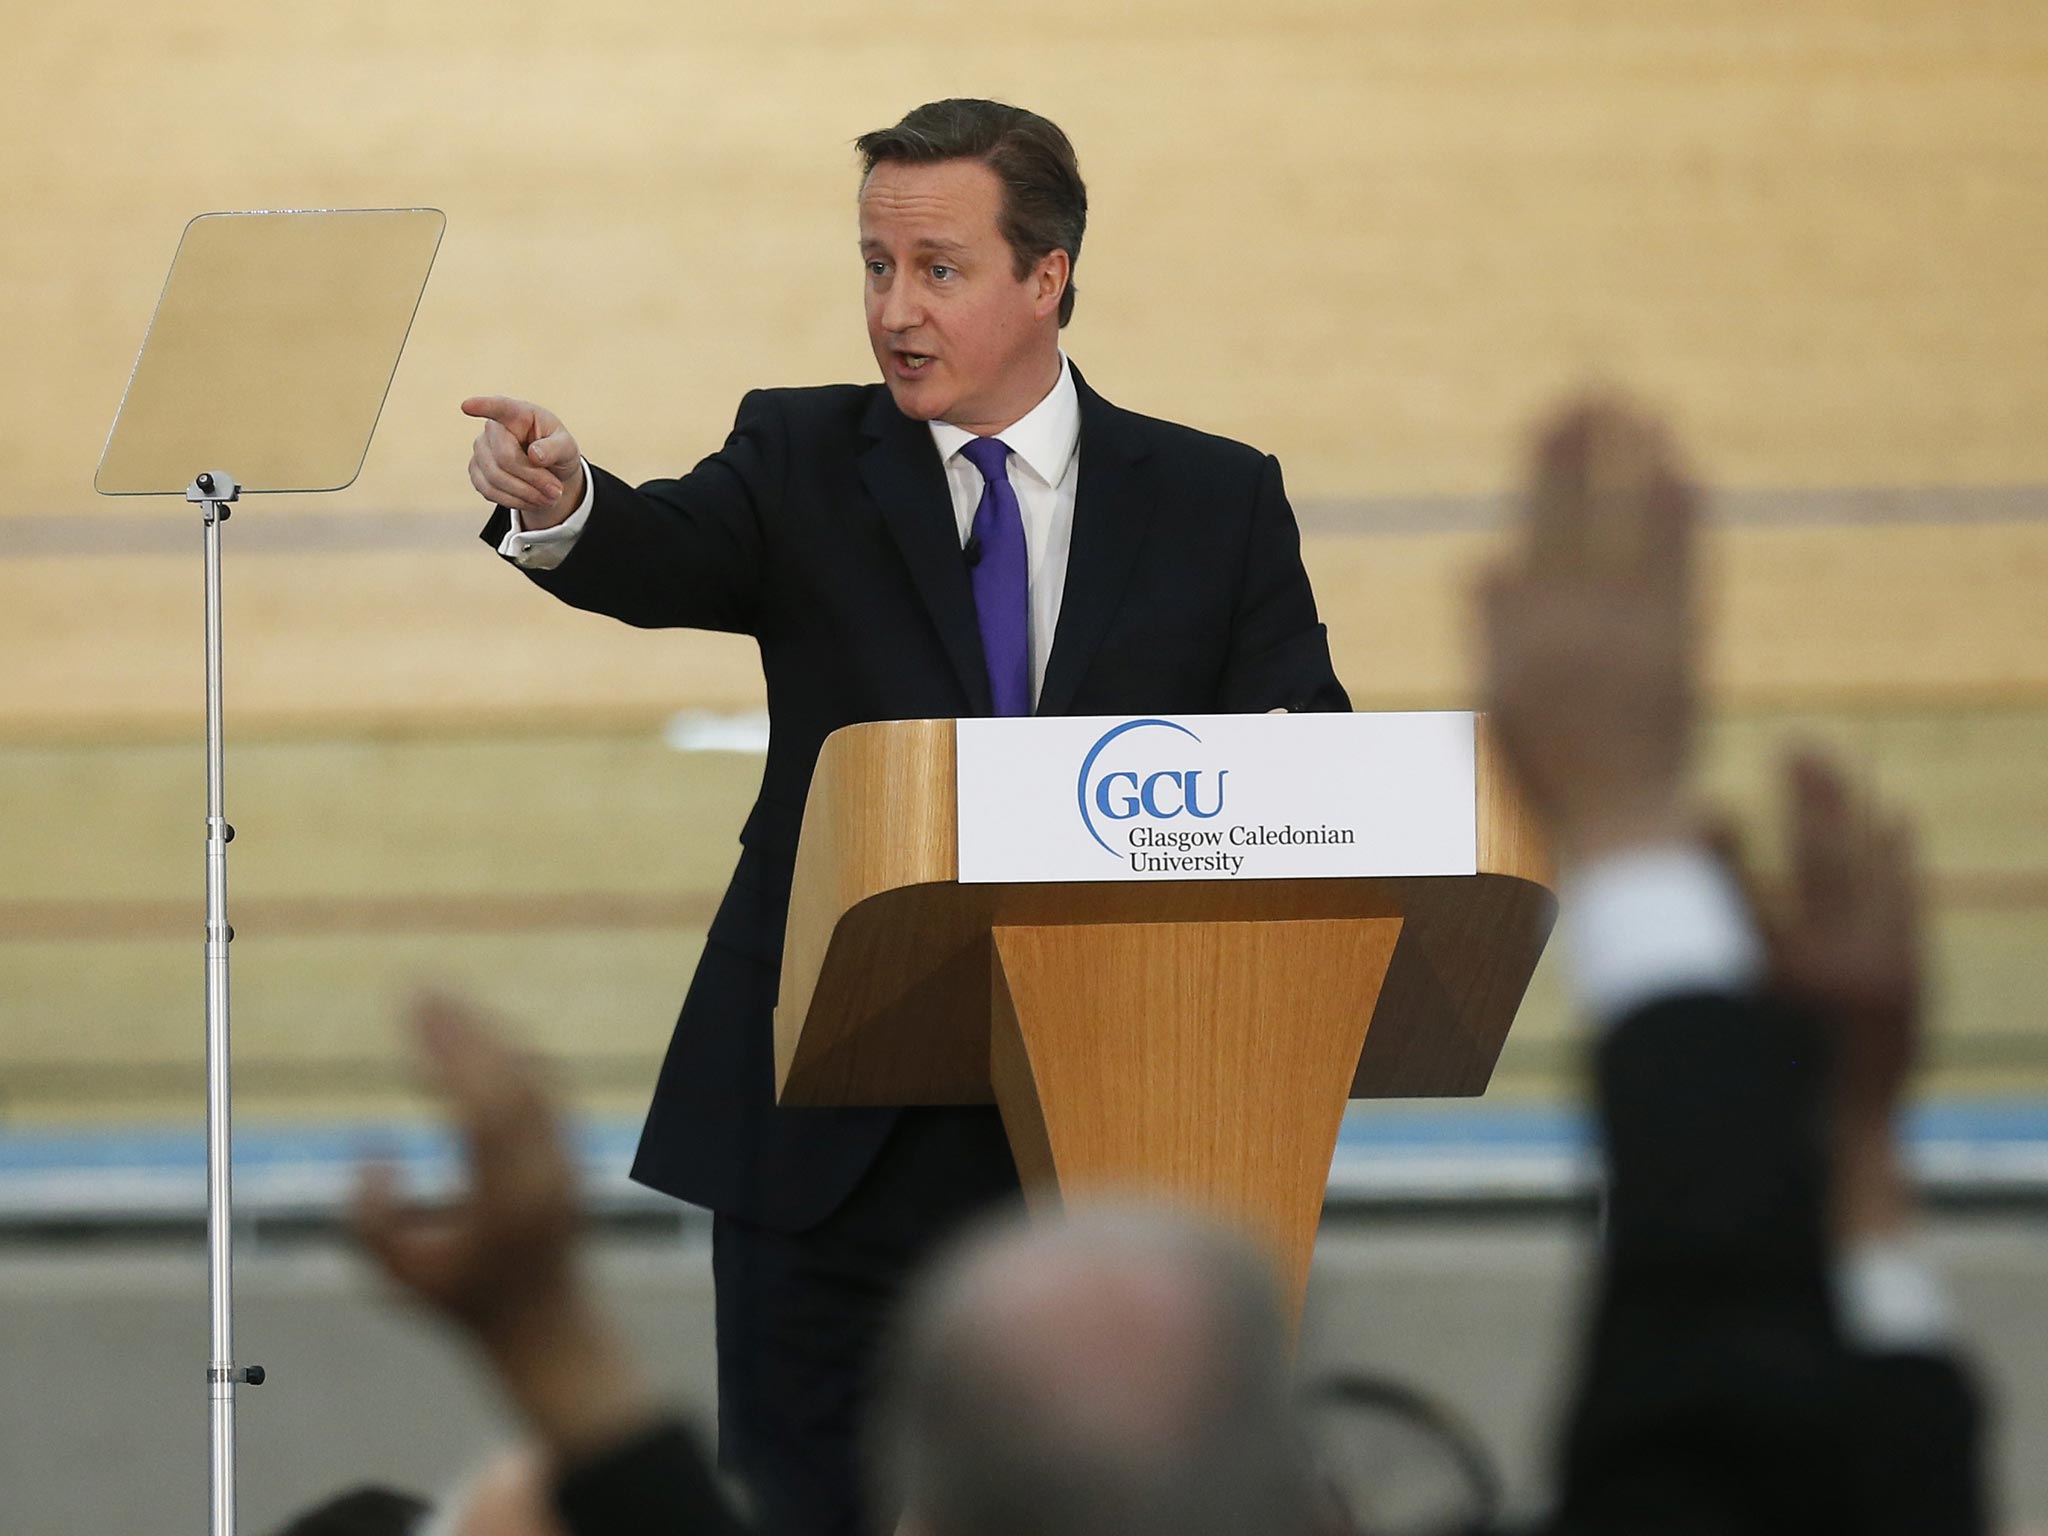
[(915, 400)]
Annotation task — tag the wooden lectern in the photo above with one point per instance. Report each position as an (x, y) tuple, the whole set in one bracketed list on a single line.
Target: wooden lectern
[(1193, 1040)]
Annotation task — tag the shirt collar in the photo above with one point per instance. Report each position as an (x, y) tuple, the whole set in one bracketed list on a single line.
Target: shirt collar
[(1043, 439)]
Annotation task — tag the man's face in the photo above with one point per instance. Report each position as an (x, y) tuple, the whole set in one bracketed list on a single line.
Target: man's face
[(960, 337)]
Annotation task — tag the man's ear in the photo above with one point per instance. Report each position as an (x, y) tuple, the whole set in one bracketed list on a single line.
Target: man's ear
[(1050, 277)]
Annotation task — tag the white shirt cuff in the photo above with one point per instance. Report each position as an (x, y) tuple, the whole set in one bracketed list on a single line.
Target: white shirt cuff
[(1655, 922), (1890, 1299), (545, 548)]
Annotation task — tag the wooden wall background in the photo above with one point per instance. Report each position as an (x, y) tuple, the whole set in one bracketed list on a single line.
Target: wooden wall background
[(1372, 236)]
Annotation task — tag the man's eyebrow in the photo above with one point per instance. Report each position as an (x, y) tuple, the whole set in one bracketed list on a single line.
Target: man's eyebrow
[(945, 247)]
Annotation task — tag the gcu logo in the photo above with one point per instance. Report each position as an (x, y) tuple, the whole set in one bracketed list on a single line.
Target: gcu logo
[(1126, 794)]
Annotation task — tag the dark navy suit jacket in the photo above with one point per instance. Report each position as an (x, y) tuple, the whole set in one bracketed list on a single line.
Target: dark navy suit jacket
[(824, 528), (1718, 1394)]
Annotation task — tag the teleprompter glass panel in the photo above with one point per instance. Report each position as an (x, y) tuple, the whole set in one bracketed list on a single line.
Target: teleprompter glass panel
[(271, 350)]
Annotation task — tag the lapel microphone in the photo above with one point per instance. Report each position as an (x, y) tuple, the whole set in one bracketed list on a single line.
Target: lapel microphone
[(971, 550)]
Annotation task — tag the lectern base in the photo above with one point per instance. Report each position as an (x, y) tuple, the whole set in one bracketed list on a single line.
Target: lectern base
[(1203, 1063)]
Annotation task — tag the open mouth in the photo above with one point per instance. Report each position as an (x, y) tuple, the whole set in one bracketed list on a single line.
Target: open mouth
[(913, 362)]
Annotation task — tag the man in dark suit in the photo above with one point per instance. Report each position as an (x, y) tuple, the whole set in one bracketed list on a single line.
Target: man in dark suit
[(981, 534)]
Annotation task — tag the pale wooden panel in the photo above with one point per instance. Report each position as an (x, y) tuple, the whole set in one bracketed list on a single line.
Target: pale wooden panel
[(434, 639), (341, 640), (558, 819), (1388, 233), (112, 1030), (365, 867), (1987, 1030), (1836, 616), (1202, 1063), (1833, 616), (1976, 783), (1370, 236), (1980, 784)]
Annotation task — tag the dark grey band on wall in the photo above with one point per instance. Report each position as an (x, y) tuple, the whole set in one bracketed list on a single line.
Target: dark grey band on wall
[(291, 531), (1828, 506)]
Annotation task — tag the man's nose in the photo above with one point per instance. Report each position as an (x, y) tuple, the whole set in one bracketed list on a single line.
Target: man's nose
[(900, 311)]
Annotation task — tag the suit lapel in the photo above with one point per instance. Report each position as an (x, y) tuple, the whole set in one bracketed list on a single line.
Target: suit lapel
[(1111, 516), (901, 470)]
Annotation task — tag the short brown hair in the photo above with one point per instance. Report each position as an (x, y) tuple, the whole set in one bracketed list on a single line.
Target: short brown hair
[(1045, 205)]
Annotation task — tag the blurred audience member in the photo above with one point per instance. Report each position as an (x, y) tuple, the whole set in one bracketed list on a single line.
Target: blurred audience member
[(1111, 1372), (1115, 1371), (369, 1511), (513, 1495), (1767, 1352), (503, 1266)]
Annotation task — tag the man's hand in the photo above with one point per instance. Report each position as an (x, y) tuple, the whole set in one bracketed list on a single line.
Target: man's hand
[(501, 1263), (1848, 945), (1588, 634), (525, 459)]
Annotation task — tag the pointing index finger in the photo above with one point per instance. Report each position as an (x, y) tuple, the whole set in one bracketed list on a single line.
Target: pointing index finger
[(514, 415)]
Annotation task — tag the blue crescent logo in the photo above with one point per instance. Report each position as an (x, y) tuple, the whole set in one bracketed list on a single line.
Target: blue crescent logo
[(1088, 762)]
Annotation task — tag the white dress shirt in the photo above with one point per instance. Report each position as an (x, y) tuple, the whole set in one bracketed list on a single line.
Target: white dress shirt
[(1654, 922), (1044, 470)]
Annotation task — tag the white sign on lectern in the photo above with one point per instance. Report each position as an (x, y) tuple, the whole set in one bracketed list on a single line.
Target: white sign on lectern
[(1217, 797)]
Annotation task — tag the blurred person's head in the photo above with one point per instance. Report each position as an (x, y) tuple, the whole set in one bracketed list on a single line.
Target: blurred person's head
[(512, 1495), (366, 1511), (1115, 1371)]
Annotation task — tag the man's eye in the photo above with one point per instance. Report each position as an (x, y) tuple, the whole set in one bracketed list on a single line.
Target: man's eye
[(878, 269), (942, 273)]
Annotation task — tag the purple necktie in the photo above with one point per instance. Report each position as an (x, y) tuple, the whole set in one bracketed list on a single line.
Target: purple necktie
[(1001, 587)]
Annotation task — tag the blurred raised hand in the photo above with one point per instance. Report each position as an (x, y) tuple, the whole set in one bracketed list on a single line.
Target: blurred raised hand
[(1847, 942), (501, 1263), (1589, 632), (525, 459)]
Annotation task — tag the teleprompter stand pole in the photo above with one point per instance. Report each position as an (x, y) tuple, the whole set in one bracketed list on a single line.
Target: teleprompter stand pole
[(272, 348), (215, 493)]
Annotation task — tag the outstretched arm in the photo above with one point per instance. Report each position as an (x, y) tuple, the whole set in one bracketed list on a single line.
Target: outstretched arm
[(686, 552)]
